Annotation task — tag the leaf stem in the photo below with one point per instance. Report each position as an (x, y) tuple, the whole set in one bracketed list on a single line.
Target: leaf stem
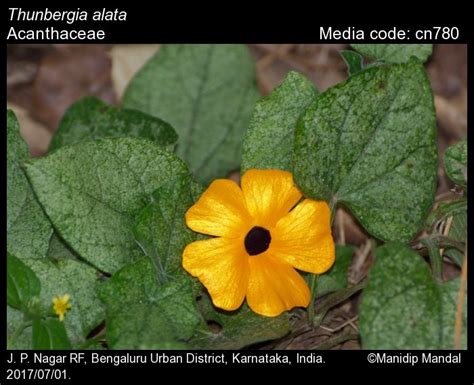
[(436, 258), (334, 299), (312, 288), (313, 280), (441, 241), (332, 207)]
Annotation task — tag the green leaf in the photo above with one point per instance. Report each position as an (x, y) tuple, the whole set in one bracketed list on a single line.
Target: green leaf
[(370, 144), (336, 277), (331, 300), (50, 334), (268, 142), (164, 346), (91, 119), (458, 232), (449, 297), (161, 231), (58, 249), (207, 93), (455, 255), (458, 229), (435, 257), (28, 229), (93, 191), (93, 343), (395, 53), (17, 339), (455, 163), (353, 60), (404, 308), (22, 283), (446, 210), (239, 328), (333, 280), (81, 282), (139, 313)]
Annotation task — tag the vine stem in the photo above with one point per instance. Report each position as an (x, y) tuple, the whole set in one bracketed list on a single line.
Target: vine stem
[(312, 283), (332, 207), (312, 288)]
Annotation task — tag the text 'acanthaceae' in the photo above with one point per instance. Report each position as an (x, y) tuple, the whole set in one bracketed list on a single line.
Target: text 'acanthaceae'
[(262, 233)]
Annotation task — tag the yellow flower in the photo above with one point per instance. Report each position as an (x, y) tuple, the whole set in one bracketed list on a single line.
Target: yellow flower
[(61, 305), (261, 235)]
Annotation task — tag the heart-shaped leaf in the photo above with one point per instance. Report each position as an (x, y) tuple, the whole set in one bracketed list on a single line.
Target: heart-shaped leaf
[(370, 144), (161, 231), (28, 229), (336, 277), (395, 53), (50, 334), (93, 191), (268, 142), (207, 93), (162, 315), (237, 329), (22, 283), (404, 308), (58, 249), (354, 62), (455, 163), (91, 119), (18, 336), (81, 282)]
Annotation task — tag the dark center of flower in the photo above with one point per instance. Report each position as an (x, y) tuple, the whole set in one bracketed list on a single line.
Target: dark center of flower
[(257, 240)]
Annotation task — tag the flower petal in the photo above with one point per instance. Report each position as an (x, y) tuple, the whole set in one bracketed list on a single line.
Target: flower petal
[(220, 211), (274, 286), (222, 267), (303, 237), (269, 195)]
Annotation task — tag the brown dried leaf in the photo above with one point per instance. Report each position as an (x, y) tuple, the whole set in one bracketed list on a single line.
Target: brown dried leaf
[(126, 61)]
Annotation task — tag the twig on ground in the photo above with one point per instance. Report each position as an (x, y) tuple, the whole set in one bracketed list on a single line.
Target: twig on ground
[(460, 305), (336, 340), (446, 229), (359, 260), (341, 326), (340, 227)]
